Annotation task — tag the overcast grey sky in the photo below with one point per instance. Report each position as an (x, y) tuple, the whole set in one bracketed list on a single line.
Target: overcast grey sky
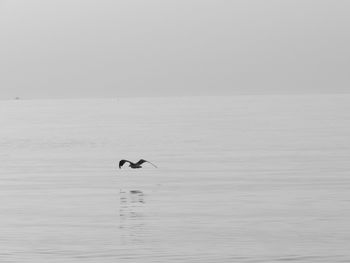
[(111, 48)]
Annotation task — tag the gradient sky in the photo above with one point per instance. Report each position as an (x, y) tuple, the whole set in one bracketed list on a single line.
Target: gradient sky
[(111, 48)]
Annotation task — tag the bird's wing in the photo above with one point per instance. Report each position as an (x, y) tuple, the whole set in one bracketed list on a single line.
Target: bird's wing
[(141, 161), (144, 161), (121, 163)]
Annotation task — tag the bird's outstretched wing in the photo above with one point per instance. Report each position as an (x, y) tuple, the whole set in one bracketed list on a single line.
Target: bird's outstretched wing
[(141, 161), (121, 163)]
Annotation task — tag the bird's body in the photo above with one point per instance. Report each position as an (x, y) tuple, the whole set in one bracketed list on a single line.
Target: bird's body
[(134, 165)]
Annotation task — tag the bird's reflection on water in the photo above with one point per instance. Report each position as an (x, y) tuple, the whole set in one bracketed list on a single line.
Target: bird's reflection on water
[(131, 213)]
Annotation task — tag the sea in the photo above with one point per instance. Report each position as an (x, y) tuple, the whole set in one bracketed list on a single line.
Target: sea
[(249, 178)]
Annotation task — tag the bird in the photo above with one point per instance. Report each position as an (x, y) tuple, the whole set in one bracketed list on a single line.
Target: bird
[(134, 165)]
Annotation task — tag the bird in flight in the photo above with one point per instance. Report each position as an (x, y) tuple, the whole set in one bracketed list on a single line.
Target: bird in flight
[(134, 165)]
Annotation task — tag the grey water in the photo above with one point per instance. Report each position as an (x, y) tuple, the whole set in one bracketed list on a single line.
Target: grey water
[(240, 179)]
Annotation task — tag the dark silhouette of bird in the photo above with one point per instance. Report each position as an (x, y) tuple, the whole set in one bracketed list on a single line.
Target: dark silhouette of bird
[(134, 165)]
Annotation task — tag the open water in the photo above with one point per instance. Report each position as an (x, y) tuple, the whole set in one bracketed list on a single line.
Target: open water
[(239, 179)]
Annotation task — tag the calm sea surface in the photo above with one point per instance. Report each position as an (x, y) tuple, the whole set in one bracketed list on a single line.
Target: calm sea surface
[(240, 179)]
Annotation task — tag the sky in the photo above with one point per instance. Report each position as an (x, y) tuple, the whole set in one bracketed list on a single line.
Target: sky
[(114, 48)]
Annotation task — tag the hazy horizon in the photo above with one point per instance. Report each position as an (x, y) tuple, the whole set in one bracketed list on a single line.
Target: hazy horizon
[(87, 49), (179, 96)]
